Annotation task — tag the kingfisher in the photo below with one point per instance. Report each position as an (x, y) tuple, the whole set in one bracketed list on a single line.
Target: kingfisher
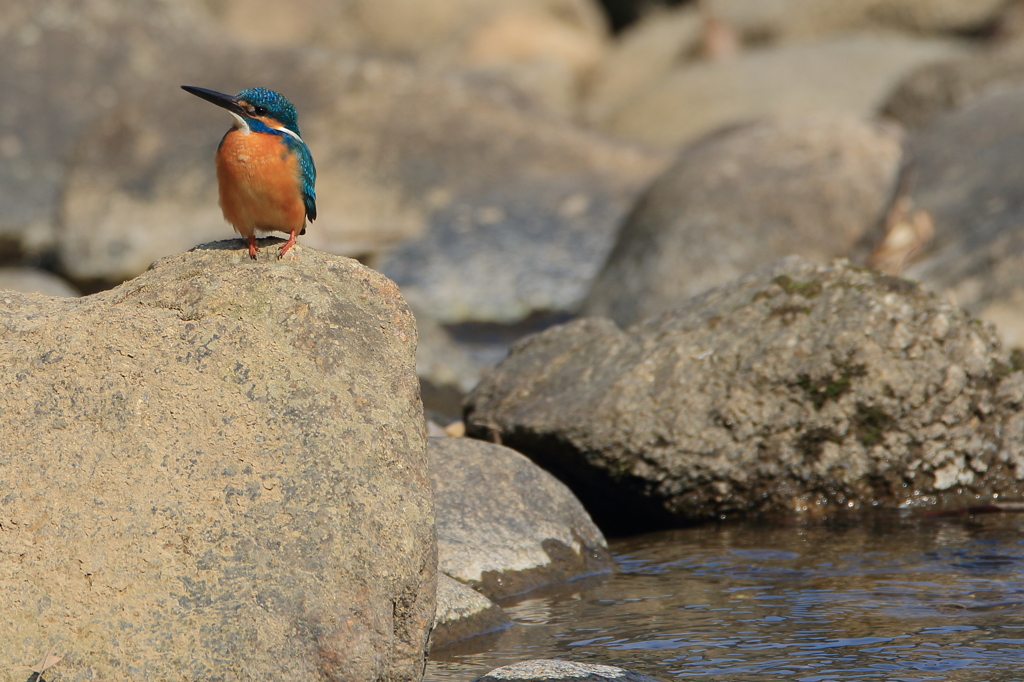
[(265, 174)]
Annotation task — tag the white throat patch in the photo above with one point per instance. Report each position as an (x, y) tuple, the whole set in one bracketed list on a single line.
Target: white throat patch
[(240, 123), (289, 132)]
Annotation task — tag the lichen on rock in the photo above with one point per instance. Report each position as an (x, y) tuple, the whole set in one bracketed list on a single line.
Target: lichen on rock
[(869, 391)]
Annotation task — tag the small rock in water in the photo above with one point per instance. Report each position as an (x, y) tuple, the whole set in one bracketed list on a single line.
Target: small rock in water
[(551, 670), (504, 525)]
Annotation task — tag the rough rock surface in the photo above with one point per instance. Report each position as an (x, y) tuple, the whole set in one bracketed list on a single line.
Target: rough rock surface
[(967, 175), (934, 88), (216, 471), (551, 670), (740, 200), (841, 75), (463, 612), (803, 388), (32, 281), (504, 525)]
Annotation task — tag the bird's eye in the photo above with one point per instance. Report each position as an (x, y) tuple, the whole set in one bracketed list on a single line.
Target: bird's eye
[(259, 111)]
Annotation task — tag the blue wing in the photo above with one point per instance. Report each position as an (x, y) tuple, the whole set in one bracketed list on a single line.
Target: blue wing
[(308, 171)]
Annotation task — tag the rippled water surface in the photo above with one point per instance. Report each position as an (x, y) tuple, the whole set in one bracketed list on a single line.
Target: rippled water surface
[(907, 599)]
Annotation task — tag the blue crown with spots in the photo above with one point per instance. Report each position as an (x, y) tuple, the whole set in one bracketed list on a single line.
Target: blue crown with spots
[(265, 102)]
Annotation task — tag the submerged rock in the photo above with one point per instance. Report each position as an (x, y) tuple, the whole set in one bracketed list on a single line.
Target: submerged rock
[(504, 525), (802, 388), (216, 471)]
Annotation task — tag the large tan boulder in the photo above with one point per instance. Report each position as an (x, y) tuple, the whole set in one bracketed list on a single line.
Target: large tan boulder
[(216, 471)]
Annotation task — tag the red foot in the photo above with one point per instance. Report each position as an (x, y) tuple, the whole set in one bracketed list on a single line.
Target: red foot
[(288, 244), (252, 247)]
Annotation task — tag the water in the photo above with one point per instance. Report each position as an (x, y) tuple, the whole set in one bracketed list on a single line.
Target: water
[(904, 599)]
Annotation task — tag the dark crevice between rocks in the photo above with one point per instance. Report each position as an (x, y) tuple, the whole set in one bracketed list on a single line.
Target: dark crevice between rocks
[(623, 13), (442, 403), (619, 504), (812, 441)]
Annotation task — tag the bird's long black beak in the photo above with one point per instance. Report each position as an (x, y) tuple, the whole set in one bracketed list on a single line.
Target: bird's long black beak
[(219, 98)]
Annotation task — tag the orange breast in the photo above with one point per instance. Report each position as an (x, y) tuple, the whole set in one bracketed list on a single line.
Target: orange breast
[(258, 179)]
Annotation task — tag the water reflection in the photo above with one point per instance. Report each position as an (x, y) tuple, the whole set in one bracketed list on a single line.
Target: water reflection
[(888, 598)]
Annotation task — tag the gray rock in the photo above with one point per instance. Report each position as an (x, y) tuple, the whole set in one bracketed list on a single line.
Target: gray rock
[(967, 175), (850, 74), (744, 198), (787, 19), (32, 281), (549, 670), (447, 370), (546, 46), (524, 208), (949, 84), (642, 56), (216, 471), (64, 65), (504, 525), (801, 388), (463, 612)]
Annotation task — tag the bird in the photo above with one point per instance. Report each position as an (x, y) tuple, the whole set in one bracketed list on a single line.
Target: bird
[(266, 178)]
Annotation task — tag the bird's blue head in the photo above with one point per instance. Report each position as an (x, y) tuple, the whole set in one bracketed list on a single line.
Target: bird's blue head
[(254, 104), (264, 103)]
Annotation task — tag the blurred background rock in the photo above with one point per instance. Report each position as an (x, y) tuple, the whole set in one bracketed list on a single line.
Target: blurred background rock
[(489, 156)]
